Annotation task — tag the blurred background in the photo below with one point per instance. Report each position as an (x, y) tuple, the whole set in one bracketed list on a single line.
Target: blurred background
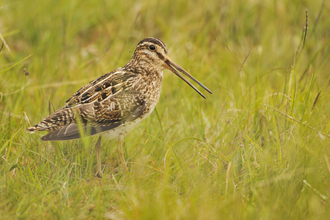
[(257, 148)]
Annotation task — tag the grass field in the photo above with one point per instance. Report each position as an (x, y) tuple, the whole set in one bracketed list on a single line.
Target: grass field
[(258, 148)]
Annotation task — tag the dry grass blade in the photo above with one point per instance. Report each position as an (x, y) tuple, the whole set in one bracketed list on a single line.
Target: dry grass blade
[(227, 176), (59, 84), (310, 187), (51, 108), (244, 61), (296, 120), (303, 38), (316, 99), (4, 42), (2, 46)]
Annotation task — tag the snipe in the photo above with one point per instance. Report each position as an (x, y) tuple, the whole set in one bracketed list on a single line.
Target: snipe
[(113, 104)]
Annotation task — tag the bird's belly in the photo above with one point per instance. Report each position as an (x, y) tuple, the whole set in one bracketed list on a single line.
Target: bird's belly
[(121, 130)]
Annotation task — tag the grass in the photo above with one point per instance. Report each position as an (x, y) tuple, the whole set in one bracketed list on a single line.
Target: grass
[(258, 148)]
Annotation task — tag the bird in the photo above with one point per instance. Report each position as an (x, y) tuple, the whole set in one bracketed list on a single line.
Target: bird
[(115, 103)]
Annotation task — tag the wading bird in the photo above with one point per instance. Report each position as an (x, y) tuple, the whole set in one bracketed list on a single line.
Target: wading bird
[(115, 103)]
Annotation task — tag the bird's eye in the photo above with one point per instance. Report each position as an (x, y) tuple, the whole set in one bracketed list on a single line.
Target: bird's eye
[(152, 47)]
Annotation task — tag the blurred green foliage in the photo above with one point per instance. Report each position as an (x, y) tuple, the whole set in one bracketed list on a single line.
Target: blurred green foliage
[(258, 148)]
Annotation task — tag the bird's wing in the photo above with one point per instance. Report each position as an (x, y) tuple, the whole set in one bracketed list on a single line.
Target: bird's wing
[(103, 104), (104, 120), (102, 87)]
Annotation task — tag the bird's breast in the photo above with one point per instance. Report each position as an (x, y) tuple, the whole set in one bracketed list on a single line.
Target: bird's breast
[(150, 86)]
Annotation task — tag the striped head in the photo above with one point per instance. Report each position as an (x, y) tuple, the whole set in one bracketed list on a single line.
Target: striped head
[(151, 55)]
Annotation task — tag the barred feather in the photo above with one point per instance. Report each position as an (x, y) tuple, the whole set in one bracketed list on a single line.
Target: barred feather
[(112, 100)]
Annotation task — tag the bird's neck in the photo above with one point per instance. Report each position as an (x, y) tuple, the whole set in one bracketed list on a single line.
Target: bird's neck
[(150, 77), (143, 67)]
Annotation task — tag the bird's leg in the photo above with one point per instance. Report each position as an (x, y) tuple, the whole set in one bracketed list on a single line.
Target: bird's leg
[(99, 172), (121, 153)]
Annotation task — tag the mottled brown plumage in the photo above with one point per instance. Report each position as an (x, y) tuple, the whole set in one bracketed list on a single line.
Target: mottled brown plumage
[(116, 102)]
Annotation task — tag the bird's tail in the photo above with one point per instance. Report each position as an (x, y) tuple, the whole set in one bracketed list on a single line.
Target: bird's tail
[(54, 121)]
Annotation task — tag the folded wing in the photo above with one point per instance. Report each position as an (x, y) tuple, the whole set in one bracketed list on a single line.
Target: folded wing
[(103, 104)]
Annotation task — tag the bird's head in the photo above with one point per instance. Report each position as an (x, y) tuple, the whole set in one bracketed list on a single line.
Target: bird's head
[(151, 54)]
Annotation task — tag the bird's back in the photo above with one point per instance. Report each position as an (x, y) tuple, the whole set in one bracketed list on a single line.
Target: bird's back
[(108, 102)]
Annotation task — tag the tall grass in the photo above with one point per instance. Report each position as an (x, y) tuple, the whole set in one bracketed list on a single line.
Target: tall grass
[(258, 148)]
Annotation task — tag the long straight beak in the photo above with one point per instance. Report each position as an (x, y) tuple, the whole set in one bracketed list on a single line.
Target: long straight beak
[(174, 67)]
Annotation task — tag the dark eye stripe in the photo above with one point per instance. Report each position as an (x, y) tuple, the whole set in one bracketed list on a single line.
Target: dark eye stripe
[(147, 47), (160, 56)]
